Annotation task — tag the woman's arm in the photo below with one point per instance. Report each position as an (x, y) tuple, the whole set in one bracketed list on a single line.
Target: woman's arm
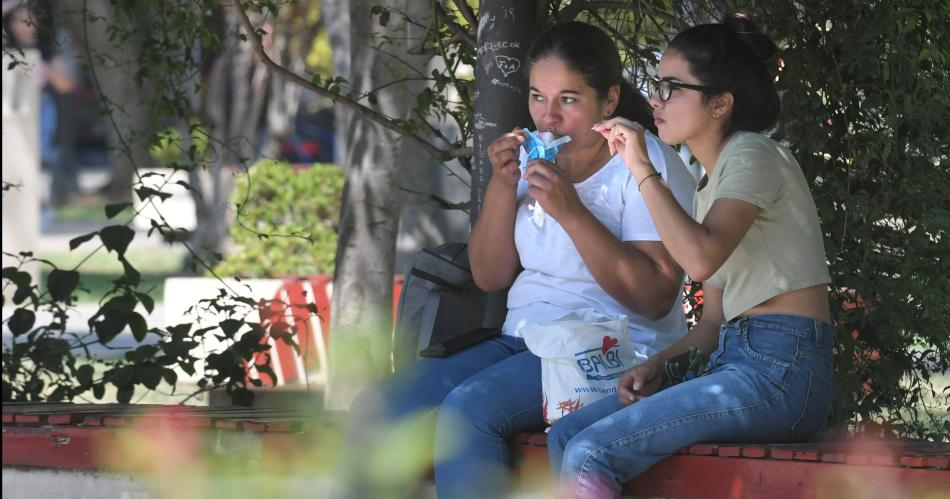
[(700, 248), (491, 246), (641, 275), (647, 378)]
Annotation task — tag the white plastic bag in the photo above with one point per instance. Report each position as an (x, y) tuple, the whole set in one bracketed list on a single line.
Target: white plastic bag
[(583, 355)]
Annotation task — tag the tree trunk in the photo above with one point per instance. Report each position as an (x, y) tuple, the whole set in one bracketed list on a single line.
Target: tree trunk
[(235, 97), (505, 32), (126, 102), (361, 318), (337, 19), (240, 100)]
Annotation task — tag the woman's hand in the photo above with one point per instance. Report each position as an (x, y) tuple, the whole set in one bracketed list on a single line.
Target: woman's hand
[(626, 137), (549, 186), (641, 381), (503, 155)]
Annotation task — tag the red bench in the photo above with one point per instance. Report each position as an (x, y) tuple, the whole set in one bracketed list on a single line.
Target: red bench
[(846, 468), (290, 308)]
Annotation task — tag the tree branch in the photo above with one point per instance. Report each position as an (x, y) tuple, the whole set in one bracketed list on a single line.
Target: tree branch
[(385, 121), (576, 8), (467, 13), (459, 33), (443, 203)]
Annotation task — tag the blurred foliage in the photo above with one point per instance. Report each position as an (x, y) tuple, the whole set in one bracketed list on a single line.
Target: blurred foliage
[(286, 223), (168, 149)]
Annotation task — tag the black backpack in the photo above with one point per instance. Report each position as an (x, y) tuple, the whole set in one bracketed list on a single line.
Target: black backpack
[(441, 310)]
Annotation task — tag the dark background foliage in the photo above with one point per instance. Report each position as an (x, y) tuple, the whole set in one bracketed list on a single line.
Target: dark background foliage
[(866, 103)]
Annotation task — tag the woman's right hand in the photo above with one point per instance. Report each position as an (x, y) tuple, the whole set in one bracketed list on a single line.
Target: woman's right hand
[(641, 381), (626, 137), (503, 154)]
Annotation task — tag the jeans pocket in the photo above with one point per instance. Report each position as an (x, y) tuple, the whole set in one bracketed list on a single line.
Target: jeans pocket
[(773, 349), (814, 406)]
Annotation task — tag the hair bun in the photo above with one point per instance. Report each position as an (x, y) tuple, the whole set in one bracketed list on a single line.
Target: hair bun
[(761, 45)]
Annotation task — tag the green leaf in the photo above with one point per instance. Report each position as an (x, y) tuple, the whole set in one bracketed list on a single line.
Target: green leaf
[(124, 394), (189, 368), (179, 331), (145, 192), (121, 376), (77, 241), (150, 374), (18, 277), (62, 283), (98, 391), (147, 301), (116, 208), (58, 394), (230, 327), (20, 322), (131, 274), (117, 238), (22, 293), (84, 374), (138, 326), (170, 376), (109, 326)]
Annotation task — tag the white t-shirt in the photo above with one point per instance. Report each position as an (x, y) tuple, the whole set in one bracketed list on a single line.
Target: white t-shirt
[(555, 279)]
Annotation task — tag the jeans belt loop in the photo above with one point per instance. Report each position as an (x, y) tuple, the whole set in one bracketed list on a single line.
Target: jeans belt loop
[(818, 328)]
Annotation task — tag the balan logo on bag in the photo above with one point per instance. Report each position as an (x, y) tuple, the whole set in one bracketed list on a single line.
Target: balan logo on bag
[(582, 355), (595, 361)]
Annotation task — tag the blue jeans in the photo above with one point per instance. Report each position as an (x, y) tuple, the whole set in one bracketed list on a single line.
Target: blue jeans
[(770, 380), (483, 393)]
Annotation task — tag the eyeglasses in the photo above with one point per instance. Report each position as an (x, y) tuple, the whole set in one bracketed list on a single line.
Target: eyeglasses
[(664, 88)]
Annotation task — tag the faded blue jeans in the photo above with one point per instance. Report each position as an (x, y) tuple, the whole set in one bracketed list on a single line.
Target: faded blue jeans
[(483, 393), (770, 380)]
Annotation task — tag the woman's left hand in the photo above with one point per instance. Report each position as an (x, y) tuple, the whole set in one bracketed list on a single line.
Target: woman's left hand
[(549, 186), (626, 137)]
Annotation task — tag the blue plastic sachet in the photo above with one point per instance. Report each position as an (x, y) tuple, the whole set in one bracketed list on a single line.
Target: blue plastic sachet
[(543, 145)]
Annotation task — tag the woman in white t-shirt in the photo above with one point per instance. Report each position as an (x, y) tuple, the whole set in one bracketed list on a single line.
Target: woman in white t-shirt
[(595, 248), (754, 241)]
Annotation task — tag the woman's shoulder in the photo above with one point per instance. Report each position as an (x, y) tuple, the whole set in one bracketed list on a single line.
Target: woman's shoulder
[(663, 156), (751, 144)]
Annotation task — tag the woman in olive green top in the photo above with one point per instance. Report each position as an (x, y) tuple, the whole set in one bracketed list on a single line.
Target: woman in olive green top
[(754, 241)]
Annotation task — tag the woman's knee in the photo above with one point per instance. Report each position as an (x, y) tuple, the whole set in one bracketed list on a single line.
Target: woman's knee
[(464, 410), (560, 434), (577, 451)]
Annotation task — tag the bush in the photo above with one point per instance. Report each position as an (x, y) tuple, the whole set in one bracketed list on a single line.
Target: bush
[(865, 112), (286, 222)]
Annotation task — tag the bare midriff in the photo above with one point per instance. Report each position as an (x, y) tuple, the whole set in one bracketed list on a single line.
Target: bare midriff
[(811, 302)]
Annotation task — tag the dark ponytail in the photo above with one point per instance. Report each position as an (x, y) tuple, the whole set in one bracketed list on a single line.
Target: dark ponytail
[(735, 57), (590, 51), (634, 107)]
